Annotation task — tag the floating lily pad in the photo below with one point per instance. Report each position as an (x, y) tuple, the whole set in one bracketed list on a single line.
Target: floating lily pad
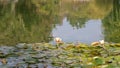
[(98, 61), (68, 55)]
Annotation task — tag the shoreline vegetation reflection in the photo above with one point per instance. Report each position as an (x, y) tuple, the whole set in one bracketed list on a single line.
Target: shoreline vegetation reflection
[(33, 21), (28, 25)]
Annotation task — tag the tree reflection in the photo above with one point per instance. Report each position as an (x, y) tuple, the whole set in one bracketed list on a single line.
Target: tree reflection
[(112, 23), (33, 20), (78, 12), (25, 21)]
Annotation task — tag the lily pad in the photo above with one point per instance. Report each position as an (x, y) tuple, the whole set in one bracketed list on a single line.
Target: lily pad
[(98, 61)]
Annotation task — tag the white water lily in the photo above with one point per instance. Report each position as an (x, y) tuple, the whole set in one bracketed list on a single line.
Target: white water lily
[(58, 40), (95, 43), (102, 42)]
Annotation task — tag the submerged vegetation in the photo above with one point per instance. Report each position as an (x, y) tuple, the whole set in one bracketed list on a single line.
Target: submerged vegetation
[(44, 55)]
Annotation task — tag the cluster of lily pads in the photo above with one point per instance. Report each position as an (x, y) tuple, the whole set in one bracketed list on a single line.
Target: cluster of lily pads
[(45, 55)]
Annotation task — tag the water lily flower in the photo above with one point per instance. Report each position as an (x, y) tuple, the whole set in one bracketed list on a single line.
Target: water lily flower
[(95, 43), (58, 40), (101, 42)]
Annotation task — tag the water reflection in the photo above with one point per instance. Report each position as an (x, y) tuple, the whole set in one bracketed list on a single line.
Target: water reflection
[(35, 20), (25, 22), (91, 31), (111, 24)]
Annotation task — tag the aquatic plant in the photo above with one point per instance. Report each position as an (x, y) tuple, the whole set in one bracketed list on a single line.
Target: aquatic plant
[(67, 56)]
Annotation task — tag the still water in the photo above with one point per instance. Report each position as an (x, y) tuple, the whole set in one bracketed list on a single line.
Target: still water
[(34, 21), (92, 31)]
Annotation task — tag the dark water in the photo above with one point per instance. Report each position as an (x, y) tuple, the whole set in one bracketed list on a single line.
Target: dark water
[(73, 20)]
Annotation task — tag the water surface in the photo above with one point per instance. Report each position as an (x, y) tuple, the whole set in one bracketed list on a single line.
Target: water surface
[(92, 31), (34, 21)]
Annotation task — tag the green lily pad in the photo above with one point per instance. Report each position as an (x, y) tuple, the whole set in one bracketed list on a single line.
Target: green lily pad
[(98, 61), (31, 61)]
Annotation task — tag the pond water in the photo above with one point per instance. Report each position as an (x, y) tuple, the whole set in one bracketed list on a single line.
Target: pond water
[(27, 23), (92, 31), (85, 21)]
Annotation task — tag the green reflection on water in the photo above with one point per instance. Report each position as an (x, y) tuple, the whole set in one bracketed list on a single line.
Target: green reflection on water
[(33, 20), (111, 23), (23, 21)]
